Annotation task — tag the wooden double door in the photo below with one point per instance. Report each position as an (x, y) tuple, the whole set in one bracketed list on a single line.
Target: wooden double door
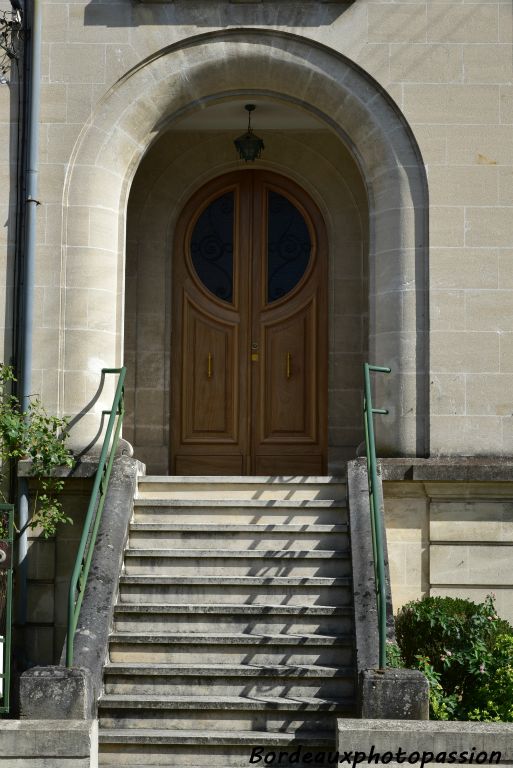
[(249, 339)]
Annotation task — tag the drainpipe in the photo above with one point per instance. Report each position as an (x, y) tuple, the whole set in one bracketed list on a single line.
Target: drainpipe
[(27, 308)]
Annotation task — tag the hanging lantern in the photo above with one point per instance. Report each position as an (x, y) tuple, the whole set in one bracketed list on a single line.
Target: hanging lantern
[(249, 145)]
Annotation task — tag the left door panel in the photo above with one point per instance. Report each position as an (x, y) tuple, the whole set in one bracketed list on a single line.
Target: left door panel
[(209, 382), (209, 431)]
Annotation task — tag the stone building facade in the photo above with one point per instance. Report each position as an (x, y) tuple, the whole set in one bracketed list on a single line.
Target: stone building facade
[(394, 118)]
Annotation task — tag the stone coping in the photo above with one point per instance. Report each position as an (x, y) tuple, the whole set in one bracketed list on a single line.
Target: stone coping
[(433, 727), (448, 469), (48, 738), (85, 467), (426, 736), (442, 469)]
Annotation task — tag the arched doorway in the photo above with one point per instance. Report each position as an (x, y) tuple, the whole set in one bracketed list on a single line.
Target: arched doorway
[(148, 101), (249, 346)]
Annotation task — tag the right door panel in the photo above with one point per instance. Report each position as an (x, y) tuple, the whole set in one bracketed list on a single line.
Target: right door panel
[(289, 379), (289, 323)]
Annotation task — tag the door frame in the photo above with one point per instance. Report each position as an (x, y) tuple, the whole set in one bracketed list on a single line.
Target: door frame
[(181, 261)]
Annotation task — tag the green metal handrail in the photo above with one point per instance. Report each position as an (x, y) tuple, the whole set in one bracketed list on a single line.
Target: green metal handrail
[(375, 502), (94, 512), (6, 566)]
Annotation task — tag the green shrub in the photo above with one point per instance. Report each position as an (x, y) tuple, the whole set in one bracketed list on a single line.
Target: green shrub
[(442, 706), (465, 651), (41, 438), (494, 697)]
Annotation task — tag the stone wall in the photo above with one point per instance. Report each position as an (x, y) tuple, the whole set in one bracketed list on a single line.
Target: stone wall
[(423, 738), (50, 563), (450, 538), (448, 69), (55, 743)]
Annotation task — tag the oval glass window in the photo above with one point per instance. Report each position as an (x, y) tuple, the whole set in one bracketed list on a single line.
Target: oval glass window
[(212, 247), (288, 246)]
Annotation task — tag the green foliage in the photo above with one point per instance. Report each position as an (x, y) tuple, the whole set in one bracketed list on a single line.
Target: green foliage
[(494, 697), (442, 706), (465, 651), (41, 438), (394, 657)]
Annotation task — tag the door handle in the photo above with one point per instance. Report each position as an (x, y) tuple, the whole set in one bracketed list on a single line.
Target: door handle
[(210, 367), (289, 365)]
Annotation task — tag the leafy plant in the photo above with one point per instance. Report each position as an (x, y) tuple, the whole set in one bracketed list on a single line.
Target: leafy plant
[(394, 658), (41, 438), (465, 651), (494, 697), (441, 705)]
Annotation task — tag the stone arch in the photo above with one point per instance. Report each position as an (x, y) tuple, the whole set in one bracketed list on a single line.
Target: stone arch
[(311, 76)]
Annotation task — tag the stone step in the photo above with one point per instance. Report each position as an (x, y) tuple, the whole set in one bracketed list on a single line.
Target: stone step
[(228, 670), (213, 712), (239, 537), (258, 619), (229, 680), (228, 511), (234, 623), (213, 738), (230, 648), (227, 703), (242, 487), (200, 562), (146, 748), (256, 590)]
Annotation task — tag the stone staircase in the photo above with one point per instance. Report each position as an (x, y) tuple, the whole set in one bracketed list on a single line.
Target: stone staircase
[(234, 623)]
